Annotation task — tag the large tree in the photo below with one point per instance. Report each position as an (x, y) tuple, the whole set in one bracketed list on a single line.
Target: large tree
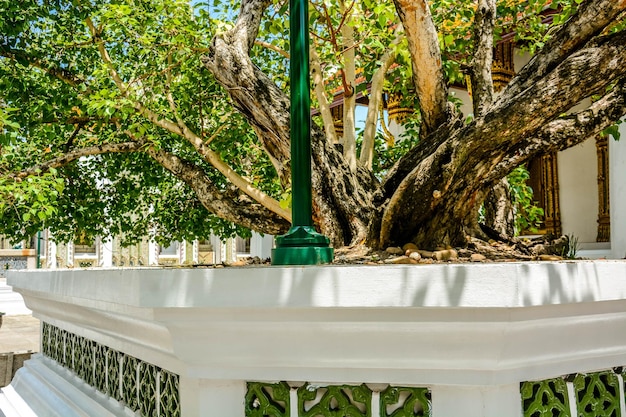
[(150, 115)]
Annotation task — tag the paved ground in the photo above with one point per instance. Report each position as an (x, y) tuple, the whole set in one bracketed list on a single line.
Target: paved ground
[(20, 330)]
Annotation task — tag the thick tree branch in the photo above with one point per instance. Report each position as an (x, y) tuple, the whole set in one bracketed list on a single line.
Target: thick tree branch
[(226, 204), (480, 75), (589, 21), (181, 129), (254, 94), (375, 98), (585, 72), (272, 48), (214, 159), (447, 177), (76, 154), (266, 107), (349, 79), (320, 92), (428, 75), (567, 131), (247, 25)]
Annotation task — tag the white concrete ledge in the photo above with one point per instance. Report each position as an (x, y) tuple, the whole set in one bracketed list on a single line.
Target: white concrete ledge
[(488, 325), (43, 388)]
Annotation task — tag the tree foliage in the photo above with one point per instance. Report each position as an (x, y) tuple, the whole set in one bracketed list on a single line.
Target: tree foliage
[(170, 117)]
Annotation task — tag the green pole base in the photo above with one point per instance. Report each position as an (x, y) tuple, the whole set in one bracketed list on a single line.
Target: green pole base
[(302, 245)]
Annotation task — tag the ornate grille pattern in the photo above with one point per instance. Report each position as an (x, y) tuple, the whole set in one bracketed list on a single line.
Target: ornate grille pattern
[(139, 385), (597, 394), (590, 395), (545, 398), (274, 400), (267, 399), (334, 401), (405, 402)]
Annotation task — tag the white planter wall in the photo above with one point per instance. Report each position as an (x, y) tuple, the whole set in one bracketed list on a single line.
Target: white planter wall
[(469, 334)]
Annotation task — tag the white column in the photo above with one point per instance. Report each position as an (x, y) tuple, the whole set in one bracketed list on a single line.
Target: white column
[(617, 193), (476, 401), (153, 253), (195, 253), (222, 398), (106, 252), (261, 245), (217, 249), (51, 253), (182, 252), (70, 253)]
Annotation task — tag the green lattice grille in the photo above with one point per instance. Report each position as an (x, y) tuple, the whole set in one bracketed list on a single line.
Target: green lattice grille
[(273, 400), (148, 389), (594, 395), (545, 398), (130, 389), (597, 394), (334, 401), (100, 368), (143, 387), (169, 400), (267, 400), (113, 363), (405, 402), (46, 345)]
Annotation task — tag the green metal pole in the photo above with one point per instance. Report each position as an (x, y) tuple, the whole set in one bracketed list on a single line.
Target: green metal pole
[(38, 250), (302, 245), (300, 122)]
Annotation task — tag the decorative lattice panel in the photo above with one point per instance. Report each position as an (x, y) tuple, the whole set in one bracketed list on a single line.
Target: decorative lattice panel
[(594, 394), (275, 400), (597, 394), (545, 398), (334, 401), (114, 361), (169, 400), (143, 387), (130, 389), (267, 400), (405, 402), (148, 389), (100, 368)]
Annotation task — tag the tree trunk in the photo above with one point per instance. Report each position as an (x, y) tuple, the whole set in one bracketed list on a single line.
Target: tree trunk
[(432, 195), (499, 215)]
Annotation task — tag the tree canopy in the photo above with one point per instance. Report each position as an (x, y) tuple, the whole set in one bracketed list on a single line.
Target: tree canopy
[(171, 118)]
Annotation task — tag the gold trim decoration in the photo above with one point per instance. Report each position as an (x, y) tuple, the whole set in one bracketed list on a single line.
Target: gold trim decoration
[(395, 111), (550, 180), (604, 217), (337, 113), (502, 68)]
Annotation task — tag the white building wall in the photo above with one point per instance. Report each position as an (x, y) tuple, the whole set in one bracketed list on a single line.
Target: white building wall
[(578, 189), (617, 190)]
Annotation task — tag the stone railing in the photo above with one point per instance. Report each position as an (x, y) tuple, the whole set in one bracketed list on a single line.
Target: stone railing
[(491, 340)]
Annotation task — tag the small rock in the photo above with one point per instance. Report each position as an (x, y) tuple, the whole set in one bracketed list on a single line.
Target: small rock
[(445, 255), (477, 257), (425, 253), (409, 246), (415, 255), (400, 260), (539, 249), (394, 250), (550, 258)]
